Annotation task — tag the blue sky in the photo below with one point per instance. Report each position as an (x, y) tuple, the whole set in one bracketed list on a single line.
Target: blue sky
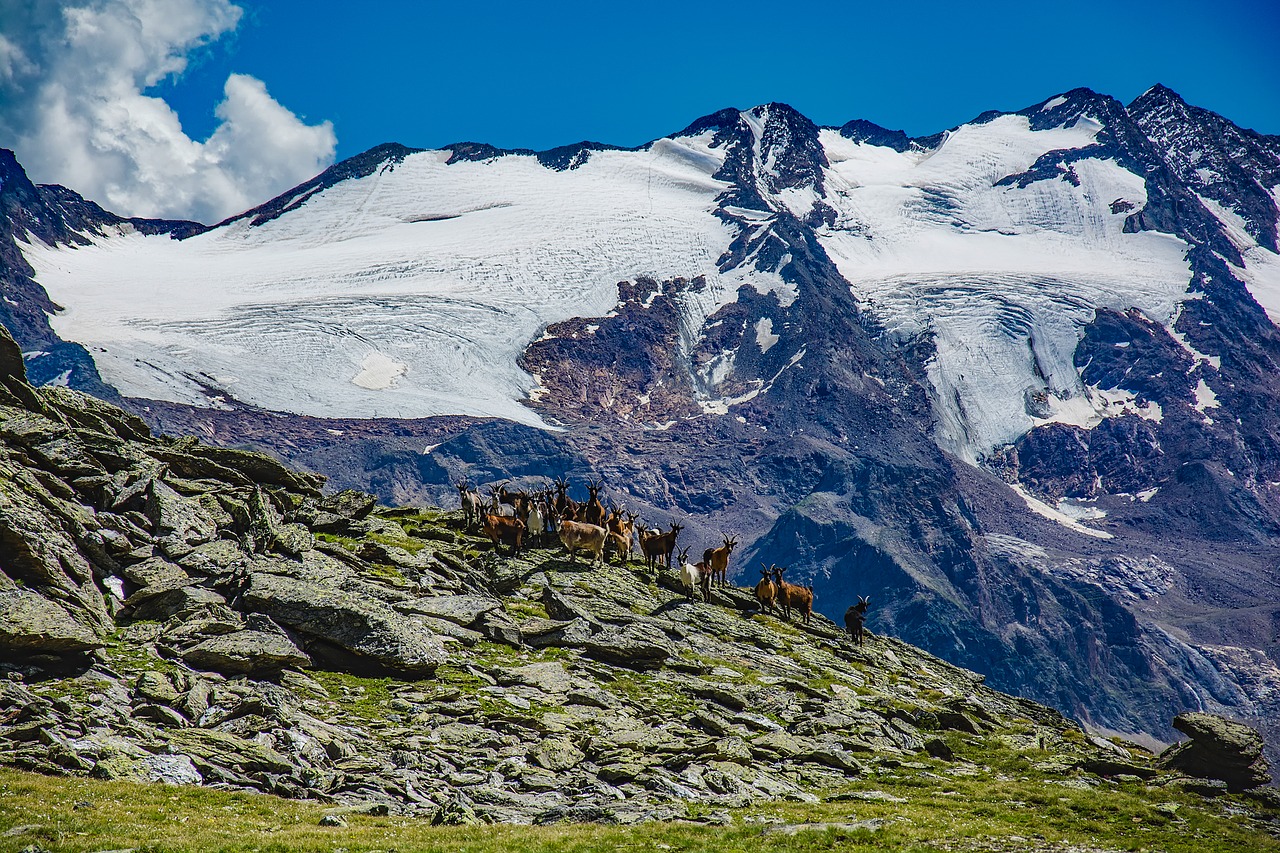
[(543, 74), (203, 108)]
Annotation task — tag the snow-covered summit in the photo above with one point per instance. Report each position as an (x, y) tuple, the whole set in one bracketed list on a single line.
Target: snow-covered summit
[(407, 283)]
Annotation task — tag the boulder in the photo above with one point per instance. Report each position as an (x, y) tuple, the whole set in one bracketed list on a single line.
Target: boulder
[(1218, 749), (33, 624), (246, 652), (228, 750), (172, 598), (464, 610), (636, 646), (173, 515), (154, 571), (349, 504), (362, 626)]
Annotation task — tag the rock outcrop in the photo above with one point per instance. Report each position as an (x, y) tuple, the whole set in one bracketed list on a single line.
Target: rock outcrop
[(1218, 748)]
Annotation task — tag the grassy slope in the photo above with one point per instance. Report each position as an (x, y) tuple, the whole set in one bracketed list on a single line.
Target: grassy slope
[(984, 812)]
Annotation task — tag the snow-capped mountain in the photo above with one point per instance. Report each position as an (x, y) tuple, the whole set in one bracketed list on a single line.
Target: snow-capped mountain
[(1014, 380)]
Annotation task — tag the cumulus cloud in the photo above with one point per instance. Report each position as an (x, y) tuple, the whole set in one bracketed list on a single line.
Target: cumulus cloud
[(73, 107)]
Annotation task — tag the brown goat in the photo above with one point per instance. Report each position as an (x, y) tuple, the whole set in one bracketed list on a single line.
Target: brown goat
[(658, 546), (766, 589), (793, 596), (565, 506), (717, 560), (593, 512), (504, 530), (576, 536)]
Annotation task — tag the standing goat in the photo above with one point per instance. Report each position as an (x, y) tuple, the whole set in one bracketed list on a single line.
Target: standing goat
[(471, 504), (717, 560), (593, 512), (504, 530), (535, 522), (576, 536), (766, 590), (792, 595), (658, 546), (855, 618), (694, 577)]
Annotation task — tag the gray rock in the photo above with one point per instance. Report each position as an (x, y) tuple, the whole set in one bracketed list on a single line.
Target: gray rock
[(1218, 749), (170, 769), (247, 652), (557, 754), (155, 571), (156, 687), (636, 646), (541, 633), (173, 515), (464, 610), (549, 677), (165, 600), (229, 751), (362, 626), (32, 624)]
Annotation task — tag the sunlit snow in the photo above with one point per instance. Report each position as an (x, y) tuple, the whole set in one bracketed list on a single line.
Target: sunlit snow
[(1004, 278), (407, 293)]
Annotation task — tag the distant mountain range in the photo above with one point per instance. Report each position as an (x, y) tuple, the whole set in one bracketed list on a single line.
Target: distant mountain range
[(1018, 382)]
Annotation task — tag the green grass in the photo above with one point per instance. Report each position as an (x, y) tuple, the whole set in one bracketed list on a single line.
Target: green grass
[(78, 815)]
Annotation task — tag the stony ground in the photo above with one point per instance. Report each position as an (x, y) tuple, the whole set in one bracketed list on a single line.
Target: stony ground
[(175, 613)]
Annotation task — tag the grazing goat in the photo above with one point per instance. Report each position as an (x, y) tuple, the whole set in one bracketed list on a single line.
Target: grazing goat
[(792, 595), (657, 545), (505, 530), (593, 512), (717, 560), (576, 536), (766, 590), (855, 618), (471, 505)]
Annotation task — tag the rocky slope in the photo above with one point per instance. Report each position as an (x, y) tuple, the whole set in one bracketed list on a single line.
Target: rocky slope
[(180, 613), (1054, 465)]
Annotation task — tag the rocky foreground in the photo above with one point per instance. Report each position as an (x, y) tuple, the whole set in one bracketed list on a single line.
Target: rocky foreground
[(179, 613)]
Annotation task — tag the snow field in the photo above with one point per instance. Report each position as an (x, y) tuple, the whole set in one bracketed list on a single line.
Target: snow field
[(407, 293)]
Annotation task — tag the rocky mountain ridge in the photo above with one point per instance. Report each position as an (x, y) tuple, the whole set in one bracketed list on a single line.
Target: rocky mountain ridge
[(181, 613), (1131, 570)]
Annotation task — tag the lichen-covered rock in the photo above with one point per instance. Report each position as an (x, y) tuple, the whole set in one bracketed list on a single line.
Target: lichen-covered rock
[(246, 652), (33, 624), (363, 627), (228, 750), (1218, 749), (637, 646)]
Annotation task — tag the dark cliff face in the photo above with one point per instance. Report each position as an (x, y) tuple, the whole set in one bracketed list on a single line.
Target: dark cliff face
[(796, 423)]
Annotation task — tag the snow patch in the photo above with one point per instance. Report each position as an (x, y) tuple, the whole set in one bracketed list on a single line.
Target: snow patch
[(1053, 103), (765, 338), (1042, 509), (379, 372), (1205, 397)]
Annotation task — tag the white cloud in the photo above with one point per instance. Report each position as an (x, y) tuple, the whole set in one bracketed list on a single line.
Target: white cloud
[(73, 108)]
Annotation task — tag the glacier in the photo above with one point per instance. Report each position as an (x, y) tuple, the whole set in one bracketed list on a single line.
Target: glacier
[(413, 291)]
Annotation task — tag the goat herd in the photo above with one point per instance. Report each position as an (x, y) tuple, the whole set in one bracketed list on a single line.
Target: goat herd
[(513, 519)]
